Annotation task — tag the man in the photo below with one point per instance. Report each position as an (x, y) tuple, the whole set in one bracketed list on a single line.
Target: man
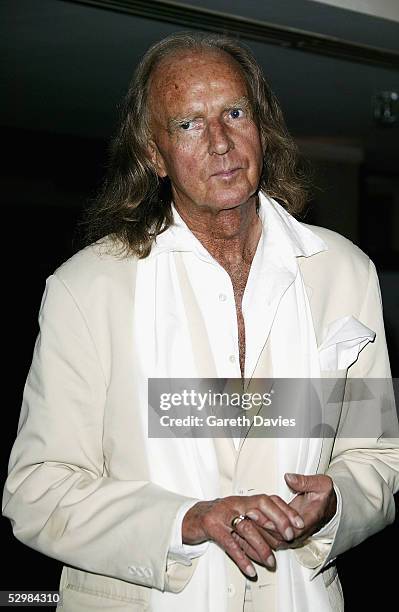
[(198, 272)]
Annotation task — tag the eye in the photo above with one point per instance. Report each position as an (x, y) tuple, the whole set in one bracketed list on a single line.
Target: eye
[(187, 125), (236, 113)]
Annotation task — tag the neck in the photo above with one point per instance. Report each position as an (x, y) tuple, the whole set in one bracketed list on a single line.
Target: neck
[(230, 236)]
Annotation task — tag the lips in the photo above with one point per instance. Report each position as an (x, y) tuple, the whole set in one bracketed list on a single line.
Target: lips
[(226, 173)]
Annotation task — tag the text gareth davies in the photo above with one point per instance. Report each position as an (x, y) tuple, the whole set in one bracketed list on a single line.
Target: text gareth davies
[(213, 421)]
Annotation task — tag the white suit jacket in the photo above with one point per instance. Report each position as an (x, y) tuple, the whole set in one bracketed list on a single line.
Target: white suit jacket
[(78, 487)]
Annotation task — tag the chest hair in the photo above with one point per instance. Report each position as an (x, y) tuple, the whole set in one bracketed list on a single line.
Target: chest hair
[(239, 276)]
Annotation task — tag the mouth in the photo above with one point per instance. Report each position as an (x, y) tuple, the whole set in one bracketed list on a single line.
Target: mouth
[(226, 173)]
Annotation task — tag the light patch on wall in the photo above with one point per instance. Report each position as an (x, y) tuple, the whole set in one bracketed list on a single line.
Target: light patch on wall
[(386, 9)]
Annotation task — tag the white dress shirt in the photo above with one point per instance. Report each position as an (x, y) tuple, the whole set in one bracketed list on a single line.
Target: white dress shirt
[(214, 293)]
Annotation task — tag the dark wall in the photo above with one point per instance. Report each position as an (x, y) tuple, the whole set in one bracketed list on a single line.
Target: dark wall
[(46, 180)]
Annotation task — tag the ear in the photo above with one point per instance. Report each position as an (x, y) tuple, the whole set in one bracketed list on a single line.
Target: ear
[(155, 157)]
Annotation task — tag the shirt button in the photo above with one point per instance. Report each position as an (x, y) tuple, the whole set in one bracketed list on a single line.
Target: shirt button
[(241, 491), (232, 358), (231, 590), (222, 297)]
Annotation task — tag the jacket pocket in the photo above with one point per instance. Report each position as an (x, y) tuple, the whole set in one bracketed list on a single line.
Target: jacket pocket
[(86, 592)]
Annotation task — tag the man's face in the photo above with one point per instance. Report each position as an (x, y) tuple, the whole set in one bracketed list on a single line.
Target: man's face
[(204, 137)]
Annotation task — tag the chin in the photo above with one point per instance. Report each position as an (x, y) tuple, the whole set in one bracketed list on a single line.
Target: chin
[(231, 201)]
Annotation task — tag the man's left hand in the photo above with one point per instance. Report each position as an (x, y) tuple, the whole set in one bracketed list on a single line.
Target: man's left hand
[(316, 503)]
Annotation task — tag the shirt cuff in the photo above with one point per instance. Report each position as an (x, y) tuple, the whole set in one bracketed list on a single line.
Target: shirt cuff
[(178, 550)]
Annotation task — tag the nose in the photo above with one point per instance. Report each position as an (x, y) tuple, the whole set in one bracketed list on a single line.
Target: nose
[(220, 141)]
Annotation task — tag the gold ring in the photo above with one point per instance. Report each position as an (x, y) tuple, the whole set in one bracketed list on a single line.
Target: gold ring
[(237, 519)]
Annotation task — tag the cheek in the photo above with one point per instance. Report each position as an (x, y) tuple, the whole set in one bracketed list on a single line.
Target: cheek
[(248, 142), (184, 164), (256, 152)]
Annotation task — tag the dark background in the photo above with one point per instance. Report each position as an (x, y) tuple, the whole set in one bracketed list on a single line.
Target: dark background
[(64, 70)]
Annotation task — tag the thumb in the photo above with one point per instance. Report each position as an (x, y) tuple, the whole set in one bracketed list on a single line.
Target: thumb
[(300, 482)]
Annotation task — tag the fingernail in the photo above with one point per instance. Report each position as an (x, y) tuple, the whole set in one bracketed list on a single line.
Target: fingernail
[(292, 477), (298, 522), (271, 562), (252, 515), (250, 571), (269, 525), (289, 534)]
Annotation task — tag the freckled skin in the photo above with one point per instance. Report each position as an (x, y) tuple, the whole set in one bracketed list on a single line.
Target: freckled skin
[(206, 140), (207, 83)]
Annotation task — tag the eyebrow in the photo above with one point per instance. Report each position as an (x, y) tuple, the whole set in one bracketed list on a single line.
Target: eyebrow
[(241, 102), (175, 122)]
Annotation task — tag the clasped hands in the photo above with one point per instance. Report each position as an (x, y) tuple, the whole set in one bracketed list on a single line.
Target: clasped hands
[(271, 523)]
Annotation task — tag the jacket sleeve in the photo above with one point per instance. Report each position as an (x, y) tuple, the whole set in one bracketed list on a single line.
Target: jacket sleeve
[(365, 470), (57, 495)]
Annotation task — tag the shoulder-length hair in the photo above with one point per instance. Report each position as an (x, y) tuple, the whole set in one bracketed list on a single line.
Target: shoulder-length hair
[(134, 204)]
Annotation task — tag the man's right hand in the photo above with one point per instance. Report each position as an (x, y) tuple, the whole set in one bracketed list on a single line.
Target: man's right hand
[(211, 521)]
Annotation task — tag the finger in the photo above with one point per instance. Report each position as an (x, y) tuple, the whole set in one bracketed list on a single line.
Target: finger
[(274, 539), (294, 516), (248, 531), (247, 548), (267, 510), (268, 527), (218, 529), (251, 552), (237, 554), (271, 536)]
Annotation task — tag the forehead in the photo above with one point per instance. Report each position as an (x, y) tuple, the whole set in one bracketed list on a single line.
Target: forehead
[(187, 74)]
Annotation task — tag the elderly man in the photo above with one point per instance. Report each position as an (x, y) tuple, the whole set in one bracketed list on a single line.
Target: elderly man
[(194, 270)]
